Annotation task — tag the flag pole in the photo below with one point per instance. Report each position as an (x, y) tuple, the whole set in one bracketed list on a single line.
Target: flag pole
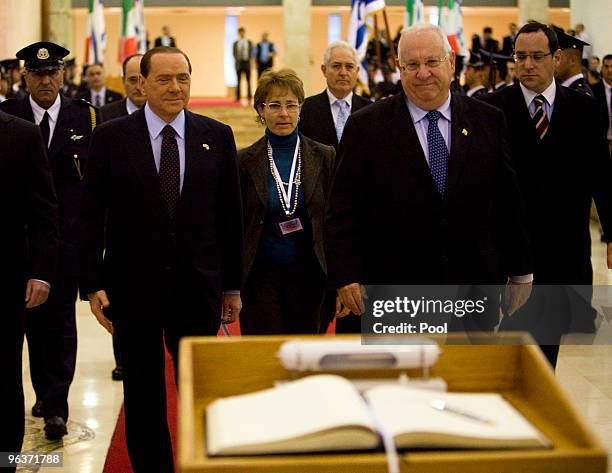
[(389, 41)]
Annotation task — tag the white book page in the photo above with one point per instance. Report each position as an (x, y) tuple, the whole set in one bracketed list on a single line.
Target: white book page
[(309, 405), (406, 410)]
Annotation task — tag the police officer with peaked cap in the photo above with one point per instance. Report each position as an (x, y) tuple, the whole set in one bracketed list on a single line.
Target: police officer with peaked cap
[(569, 70), (66, 125)]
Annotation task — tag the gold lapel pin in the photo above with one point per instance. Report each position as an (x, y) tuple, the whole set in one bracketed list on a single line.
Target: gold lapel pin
[(205, 146), (465, 132)]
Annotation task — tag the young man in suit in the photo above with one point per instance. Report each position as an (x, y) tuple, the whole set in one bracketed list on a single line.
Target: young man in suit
[(66, 125), (550, 127), (29, 220), (242, 50), (424, 192), (165, 39), (323, 116), (97, 93), (264, 53), (161, 241), (603, 94), (134, 97)]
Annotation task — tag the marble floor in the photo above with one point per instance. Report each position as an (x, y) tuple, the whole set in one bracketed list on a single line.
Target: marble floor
[(584, 371)]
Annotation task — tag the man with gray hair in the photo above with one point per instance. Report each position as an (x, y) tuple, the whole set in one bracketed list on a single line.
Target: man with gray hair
[(324, 115), (424, 192)]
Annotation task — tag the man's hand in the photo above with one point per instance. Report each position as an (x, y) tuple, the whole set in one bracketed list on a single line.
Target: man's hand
[(352, 296), (98, 301), (37, 293), (341, 310), (610, 255), (232, 304), (516, 295)]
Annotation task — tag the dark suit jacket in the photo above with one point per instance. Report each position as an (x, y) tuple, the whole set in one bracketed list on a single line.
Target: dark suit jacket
[(599, 92), (144, 250), (111, 96), (558, 178), (582, 86), (317, 166), (114, 110), (317, 121), (68, 155), (507, 45), (239, 63), (387, 223), (158, 42), (29, 236)]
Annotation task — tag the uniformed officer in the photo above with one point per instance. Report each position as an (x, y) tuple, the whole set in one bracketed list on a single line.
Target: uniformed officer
[(494, 70), (66, 125), (569, 70), (474, 84), (12, 73)]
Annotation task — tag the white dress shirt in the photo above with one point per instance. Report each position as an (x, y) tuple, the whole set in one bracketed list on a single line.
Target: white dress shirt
[(473, 90), (130, 107), (101, 93), (53, 112), (572, 79), (608, 90), (334, 108), (155, 125), (549, 95)]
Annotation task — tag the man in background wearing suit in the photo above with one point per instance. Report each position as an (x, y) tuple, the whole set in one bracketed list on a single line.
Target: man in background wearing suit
[(134, 98), (66, 125), (165, 39), (424, 192), (603, 93), (558, 146), (161, 241), (264, 53), (508, 41), (29, 220), (242, 50), (97, 93), (324, 115)]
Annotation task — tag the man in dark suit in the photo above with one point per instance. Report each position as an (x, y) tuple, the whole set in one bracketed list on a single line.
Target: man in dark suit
[(474, 83), (134, 100), (324, 115), (162, 241), (569, 70), (66, 125), (264, 53), (549, 128), (508, 41), (424, 192), (28, 251), (165, 39), (242, 50), (97, 93), (134, 97), (603, 93)]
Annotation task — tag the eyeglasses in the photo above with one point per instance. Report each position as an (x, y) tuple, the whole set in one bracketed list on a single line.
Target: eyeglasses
[(537, 57), (276, 107), (430, 63)]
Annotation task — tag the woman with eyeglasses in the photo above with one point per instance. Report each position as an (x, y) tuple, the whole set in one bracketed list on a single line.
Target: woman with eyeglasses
[(285, 183)]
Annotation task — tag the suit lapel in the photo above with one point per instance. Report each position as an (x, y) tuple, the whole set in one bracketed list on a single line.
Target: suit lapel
[(558, 111), (328, 119), (311, 168), (406, 139), (256, 165), (461, 138), (141, 158)]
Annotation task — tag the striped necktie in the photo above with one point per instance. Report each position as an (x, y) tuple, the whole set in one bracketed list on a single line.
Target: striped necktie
[(540, 119)]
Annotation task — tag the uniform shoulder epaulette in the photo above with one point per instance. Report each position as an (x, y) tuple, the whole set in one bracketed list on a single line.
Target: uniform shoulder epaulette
[(92, 111), (8, 102)]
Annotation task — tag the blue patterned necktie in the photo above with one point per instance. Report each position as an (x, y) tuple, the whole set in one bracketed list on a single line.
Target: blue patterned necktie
[(343, 114), (438, 152)]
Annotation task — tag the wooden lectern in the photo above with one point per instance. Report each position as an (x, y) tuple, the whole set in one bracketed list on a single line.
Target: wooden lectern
[(213, 367)]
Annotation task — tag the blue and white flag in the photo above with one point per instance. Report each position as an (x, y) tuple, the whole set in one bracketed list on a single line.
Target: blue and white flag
[(96, 33), (361, 29)]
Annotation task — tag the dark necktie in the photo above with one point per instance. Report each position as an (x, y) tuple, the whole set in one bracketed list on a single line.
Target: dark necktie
[(169, 170), (98, 102), (540, 119), (438, 152), (44, 128)]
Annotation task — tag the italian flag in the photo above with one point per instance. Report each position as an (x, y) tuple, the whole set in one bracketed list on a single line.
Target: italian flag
[(454, 28), (132, 39)]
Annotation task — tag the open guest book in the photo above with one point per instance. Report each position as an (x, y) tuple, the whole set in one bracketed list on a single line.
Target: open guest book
[(327, 413)]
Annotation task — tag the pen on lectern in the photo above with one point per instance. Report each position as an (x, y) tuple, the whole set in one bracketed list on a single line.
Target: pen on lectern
[(442, 405)]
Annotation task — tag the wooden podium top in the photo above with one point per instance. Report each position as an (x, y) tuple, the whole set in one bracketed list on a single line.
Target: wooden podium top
[(212, 367)]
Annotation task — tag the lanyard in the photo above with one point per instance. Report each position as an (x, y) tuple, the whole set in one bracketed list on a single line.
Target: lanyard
[(285, 195)]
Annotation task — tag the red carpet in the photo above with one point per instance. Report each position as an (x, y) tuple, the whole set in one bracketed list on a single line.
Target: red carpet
[(117, 460)]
